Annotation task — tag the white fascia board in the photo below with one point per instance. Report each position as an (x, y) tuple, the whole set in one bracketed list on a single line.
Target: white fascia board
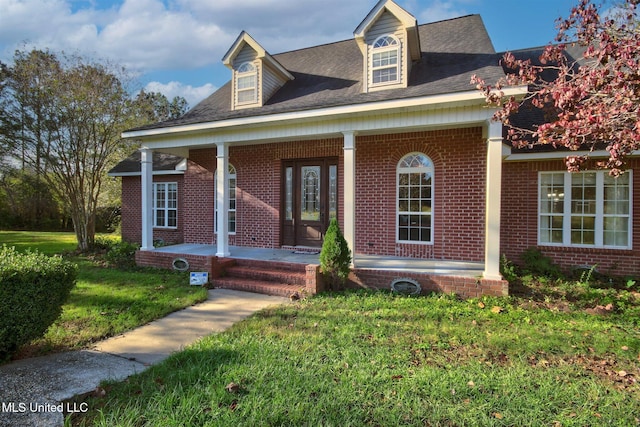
[(559, 155), (466, 97), (173, 172)]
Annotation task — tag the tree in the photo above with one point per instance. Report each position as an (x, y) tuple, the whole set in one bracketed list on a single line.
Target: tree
[(591, 102), (62, 117), (156, 107)]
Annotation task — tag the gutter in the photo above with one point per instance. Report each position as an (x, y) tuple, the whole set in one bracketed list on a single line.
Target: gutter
[(430, 100)]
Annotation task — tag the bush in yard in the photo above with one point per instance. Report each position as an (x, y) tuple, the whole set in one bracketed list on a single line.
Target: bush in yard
[(122, 255), (335, 257), (536, 263), (33, 288)]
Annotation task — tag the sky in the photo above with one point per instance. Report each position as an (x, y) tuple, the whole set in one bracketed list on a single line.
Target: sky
[(176, 46)]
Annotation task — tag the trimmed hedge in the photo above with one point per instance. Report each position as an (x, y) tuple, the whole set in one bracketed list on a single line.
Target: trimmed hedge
[(33, 288)]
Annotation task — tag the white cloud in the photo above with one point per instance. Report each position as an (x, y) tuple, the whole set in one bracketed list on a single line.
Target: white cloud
[(193, 95), (152, 35)]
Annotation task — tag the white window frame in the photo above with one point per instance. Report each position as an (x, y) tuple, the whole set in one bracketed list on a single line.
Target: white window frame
[(232, 178), (245, 73), (169, 205), (385, 45), (421, 170), (564, 197)]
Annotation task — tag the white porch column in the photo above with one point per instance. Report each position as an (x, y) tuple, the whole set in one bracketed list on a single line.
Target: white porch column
[(146, 162), (222, 200), (349, 191), (492, 204)]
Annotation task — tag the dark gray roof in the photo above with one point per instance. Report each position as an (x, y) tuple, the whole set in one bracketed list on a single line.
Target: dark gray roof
[(528, 116), (131, 165), (331, 75)]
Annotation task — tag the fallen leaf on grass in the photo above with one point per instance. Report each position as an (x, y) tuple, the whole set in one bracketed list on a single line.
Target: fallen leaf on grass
[(232, 387), (497, 309), (497, 415), (481, 304)]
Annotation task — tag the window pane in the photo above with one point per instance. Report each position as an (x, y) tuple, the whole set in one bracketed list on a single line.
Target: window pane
[(247, 95), (310, 203), (288, 190), (246, 82), (159, 218), (384, 59), (385, 75), (173, 218), (552, 193), (333, 191)]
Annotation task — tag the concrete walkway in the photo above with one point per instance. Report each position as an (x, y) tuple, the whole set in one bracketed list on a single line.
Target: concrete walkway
[(31, 390)]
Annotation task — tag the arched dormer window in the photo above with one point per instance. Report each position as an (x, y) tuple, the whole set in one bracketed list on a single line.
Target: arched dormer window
[(415, 199), (246, 83), (385, 60)]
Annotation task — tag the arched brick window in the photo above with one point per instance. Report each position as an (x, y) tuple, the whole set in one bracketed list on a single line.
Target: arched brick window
[(415, 199)]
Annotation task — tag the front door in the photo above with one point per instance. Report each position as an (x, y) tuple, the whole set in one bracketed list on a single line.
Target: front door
[(310, 200)]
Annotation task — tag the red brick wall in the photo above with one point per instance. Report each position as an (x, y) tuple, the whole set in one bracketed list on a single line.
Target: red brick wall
[(459, 158), (199, 196), (519, 225), (132, 212), (259, 169), (258, 187)]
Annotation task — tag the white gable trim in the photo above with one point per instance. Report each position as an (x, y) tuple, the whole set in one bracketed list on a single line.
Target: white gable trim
[(261, 53), (407, 19)]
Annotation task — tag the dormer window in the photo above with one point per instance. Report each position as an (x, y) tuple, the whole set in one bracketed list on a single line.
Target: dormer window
[(246, 84), (384, 60), (256, 74)]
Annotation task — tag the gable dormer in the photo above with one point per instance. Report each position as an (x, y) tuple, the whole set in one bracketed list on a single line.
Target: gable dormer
[(389, 41), (256, 75)]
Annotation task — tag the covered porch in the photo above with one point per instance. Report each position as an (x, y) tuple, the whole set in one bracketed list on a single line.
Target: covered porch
[(250, 268)]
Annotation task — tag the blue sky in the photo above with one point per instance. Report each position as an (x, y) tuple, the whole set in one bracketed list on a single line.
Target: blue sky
[(176, 46)]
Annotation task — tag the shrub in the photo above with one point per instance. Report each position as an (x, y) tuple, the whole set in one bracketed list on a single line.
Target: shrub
[(540, 265), (122, 254), (335, 257), (33, 288)]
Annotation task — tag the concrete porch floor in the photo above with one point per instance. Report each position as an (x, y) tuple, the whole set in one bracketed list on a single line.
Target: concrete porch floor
[(373, 262)]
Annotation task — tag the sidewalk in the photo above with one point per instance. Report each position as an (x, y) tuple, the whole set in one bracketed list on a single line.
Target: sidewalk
[(31, 390)]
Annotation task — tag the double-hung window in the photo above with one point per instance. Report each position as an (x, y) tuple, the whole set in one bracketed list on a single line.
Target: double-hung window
[(165, 204), (585, 209), (385, 60), (246, 83)]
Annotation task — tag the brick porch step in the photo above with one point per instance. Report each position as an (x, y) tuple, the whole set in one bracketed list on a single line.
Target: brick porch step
[(265, 277), (259, 286)]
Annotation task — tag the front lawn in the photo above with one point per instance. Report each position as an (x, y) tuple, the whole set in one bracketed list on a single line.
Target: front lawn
[(376, 359), (106, 300)]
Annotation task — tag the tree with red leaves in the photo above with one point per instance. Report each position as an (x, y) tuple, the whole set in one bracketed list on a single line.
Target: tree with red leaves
[(592, 102)]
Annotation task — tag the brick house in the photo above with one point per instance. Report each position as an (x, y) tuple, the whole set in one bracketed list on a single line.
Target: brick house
[(384, 132)]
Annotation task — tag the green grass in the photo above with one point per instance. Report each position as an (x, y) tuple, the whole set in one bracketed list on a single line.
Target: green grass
[(375, 359), (106, 301), (49, 243)]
